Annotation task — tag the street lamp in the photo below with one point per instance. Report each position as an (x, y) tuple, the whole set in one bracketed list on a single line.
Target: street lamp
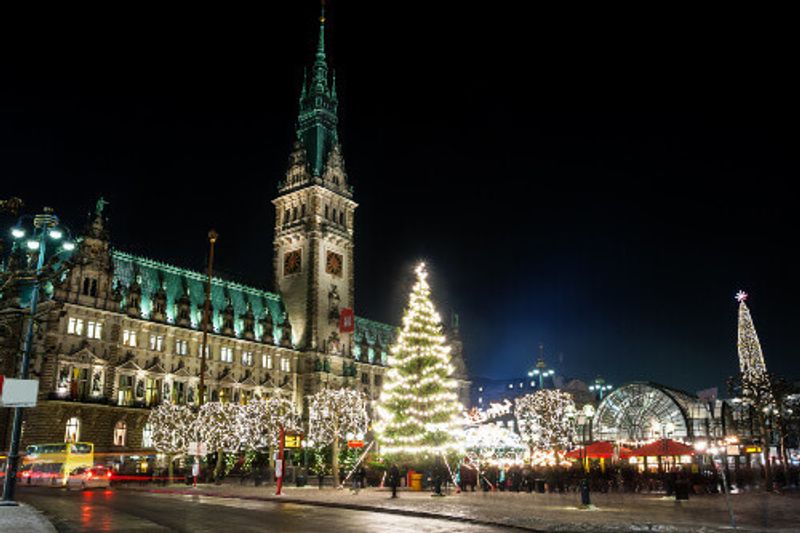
[(44, 224), (541, 371), (600, 387)]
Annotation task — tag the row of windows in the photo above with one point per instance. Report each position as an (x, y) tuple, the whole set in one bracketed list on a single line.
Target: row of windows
[(157, 343), (291, 215), (330, 214), (73, 433), (92, 329)]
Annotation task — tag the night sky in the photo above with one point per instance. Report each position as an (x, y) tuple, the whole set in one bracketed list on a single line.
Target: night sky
[(602, 187)]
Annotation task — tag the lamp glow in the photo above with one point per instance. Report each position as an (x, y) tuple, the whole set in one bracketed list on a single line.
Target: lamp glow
[(68, 246), (17, 233), (56, 233), (33, 245)]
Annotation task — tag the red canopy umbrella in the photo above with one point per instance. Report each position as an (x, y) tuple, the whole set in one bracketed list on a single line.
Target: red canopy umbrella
[(599, 450), (663, 447)]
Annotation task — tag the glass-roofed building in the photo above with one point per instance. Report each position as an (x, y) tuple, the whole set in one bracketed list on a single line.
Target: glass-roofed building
[(123, 332)]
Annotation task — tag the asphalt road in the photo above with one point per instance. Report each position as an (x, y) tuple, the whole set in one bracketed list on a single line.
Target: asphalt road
[(120, 510)]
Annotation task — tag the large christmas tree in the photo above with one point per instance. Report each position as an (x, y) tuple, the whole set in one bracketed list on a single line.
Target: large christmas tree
[(419, 412)]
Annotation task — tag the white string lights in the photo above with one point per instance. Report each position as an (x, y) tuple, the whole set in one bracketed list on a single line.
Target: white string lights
[(546, 419), (418, 410)]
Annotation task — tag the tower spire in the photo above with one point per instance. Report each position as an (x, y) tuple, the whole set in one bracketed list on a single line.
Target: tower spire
[(317, 120)]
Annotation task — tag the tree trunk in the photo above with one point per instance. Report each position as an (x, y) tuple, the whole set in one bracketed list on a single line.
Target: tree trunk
[(170, 468), (218, 467), (335, 461)]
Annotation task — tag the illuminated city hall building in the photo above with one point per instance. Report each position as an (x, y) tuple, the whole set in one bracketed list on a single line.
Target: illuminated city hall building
[(123, 333)]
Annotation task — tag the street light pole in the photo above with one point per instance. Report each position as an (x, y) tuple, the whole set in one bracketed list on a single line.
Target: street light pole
[(41, 222), (212, 239)]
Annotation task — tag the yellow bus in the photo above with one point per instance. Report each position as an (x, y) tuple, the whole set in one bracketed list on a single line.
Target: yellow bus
[(51, 464)]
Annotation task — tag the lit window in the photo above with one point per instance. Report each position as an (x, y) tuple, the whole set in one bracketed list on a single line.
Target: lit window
[(266, 361), (247, 358), (480, 400), (286, 364), (226, 354), (75, 326), (120, 430), (147, 436), (125, 390), (200, 350), (157, 343), (181, 347), (94, 330), (129, 337), (73, 430)]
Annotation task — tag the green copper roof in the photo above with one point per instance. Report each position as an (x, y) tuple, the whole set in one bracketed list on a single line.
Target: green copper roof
[(152, 273), (378, 336), (317, 119)]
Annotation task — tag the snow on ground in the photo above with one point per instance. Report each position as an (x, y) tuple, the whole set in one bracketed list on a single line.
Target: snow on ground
[(24, 518)]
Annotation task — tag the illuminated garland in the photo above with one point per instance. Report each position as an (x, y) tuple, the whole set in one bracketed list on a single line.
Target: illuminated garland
[(337, 414), (173, 428), (261, 421), (418, 410), (546, 419)]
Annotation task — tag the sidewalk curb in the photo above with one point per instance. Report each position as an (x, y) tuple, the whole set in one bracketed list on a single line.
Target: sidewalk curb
[(352, 506)]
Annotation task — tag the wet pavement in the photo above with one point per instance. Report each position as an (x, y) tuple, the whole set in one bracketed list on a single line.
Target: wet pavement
[(112, 510)]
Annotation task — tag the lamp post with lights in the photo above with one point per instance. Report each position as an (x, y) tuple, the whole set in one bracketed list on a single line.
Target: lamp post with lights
[(46, 227), (600, 387), (541, 369)]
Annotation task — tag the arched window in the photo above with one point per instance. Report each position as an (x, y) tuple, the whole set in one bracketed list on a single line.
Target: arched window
[(73, 430), (93, 291), (147, 436), (86, 282), (120, 432)]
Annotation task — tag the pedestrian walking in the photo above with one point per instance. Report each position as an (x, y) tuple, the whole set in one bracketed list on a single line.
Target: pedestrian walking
[(394, 479)]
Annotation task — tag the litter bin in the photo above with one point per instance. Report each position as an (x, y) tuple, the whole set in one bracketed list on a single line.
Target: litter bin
[(300, 480), (539, 486), (416, 482), (682, 490)]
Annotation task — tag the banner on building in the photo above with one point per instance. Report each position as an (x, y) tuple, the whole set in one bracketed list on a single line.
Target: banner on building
[(347, 320)]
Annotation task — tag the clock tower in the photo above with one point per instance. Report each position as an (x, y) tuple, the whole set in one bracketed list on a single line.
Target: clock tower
[(314, 215)]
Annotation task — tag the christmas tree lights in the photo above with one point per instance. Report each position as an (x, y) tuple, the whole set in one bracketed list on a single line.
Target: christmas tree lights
[(546, 419), (756, 386), (173, 428), (418, 411), (334, 415)]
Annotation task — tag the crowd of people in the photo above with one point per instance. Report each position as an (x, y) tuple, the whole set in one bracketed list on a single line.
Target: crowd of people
[(616, 478)]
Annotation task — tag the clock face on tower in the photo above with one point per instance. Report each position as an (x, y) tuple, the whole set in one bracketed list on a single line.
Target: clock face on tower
[(333, 264), (291, 262)]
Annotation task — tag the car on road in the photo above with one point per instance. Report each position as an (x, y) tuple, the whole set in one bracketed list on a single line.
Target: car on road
[(96, 477)]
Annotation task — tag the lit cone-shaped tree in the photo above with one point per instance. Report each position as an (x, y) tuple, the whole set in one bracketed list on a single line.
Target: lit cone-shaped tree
[(755, 384), (419, 414)]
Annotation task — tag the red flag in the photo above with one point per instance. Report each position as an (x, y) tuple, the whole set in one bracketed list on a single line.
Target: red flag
[(347, 321)]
